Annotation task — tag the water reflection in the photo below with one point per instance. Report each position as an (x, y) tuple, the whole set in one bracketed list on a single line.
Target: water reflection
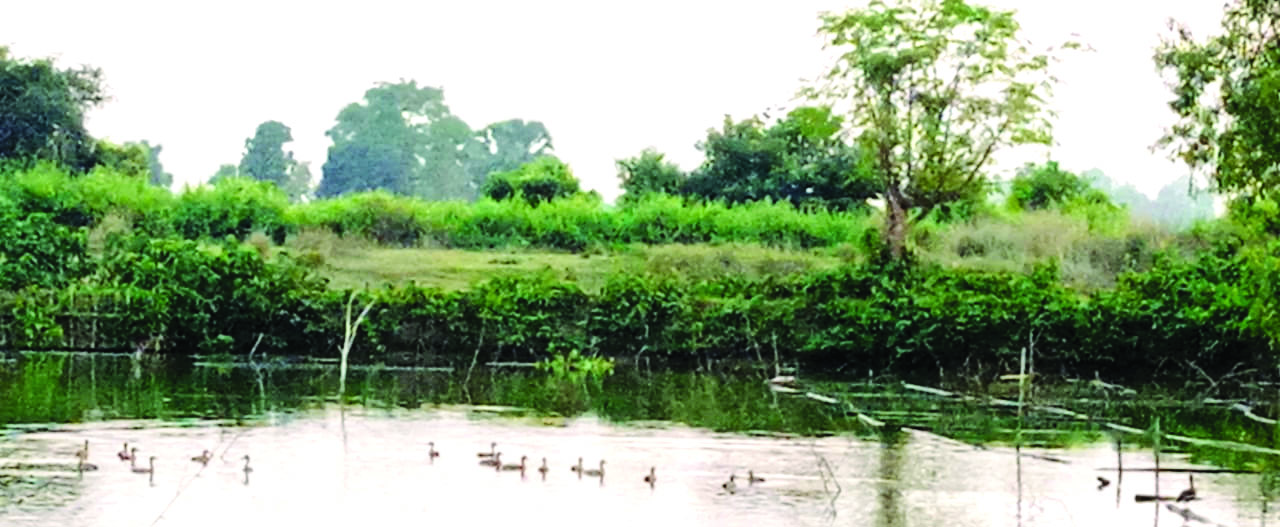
[(319, 463)]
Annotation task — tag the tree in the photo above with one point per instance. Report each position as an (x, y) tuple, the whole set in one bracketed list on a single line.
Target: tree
[(649, 173), (538, 181), (354, 167), (504, 146), (297, 184), (129, 158), (933, 88), (800, 159), (1045, 186), (225, 171), (1227, 98), (265, 158), (158, 175), (42, 111)]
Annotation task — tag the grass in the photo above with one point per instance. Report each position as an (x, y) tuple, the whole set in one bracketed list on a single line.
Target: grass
[(349, 263)]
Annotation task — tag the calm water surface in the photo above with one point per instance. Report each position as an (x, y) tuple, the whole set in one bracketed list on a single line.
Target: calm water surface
[(322, 464)]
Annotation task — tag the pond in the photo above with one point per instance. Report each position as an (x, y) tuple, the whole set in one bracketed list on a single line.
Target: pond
[(316, 462)]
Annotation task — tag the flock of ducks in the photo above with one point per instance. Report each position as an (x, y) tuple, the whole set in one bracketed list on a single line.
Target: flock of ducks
[(131, 455), (493, 458)]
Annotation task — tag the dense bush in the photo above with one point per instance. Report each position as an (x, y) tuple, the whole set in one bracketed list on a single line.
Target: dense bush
[(233, 207), (536, 182)]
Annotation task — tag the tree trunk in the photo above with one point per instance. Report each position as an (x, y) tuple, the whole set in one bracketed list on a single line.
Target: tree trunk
[(895, 221)]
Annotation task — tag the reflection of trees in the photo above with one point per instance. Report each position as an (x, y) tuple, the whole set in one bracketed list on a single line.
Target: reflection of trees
[(888, 493)]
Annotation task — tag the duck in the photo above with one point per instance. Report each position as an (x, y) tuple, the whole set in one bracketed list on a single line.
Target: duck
[(752, 479), (84, 452), (652, 477), (247, 469), (513, 467), (494, 461), (150, 469), (577, 468), (544, 469), (1103, 482), (124, 453), (133, 457), (593, 472), (431, 450), (203, 458), (493, 451), (730, 486), (1190, 493)]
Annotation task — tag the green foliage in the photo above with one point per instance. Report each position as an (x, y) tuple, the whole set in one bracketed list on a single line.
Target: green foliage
[(38, 252), (264, 156), (159, 176), (538, 181), (232, 207), (1044, 186), (574, 367), (130, 158), (933, 90), (648, 173), (404, 139), (42, 111), (86, 200), (1225, 90), (800, 159)]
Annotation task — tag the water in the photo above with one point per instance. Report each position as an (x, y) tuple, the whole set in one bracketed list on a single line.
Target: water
[(317, 463)]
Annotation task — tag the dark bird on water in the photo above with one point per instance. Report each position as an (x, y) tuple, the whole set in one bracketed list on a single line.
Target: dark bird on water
[(1103, 482), (1190, 493)]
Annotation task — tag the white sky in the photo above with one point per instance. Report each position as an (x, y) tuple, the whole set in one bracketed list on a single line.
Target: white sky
[(608, 78)]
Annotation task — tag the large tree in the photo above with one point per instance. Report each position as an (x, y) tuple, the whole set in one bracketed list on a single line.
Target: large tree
[(801, 159), (403, 138), (1227, 97), (265, 158), (42, 110), (933, 89), (158, 176)]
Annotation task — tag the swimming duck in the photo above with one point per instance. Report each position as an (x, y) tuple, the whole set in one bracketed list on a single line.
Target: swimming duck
[(493, 451), (1103, 482), (133, 457), (752, 479), (431, 450), (81, 465), (1190, 493), (494, 461), (519, 467), (651, 478), (84, 452), (247, 469), (544, 469), (124, 453), (577, 468), (151, 467), (203, 458), (730, 486), (593, 472)]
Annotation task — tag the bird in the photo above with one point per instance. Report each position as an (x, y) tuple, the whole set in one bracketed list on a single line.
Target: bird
[(730, 486), (150, 469), (511, 466), (651, 478), (1190, 493), (493, 451), (84, 452), (1103, 482), (81, 465), (124, 453), (431, 450), (593, 472), (247, 469), (203, 458), (577, 468), (493, 461), (752, 479), (543, 469), (133, 457)]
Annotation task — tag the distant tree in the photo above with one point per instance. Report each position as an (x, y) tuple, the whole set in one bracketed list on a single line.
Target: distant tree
[(933, 89), (224, 171), (129, 158), (157, 173), (298, 183), (356, 167), (1227, 97), (800, 159), (538, 181), (1047, 186), (1179, 204), (265, 158), (504, 146), (42, 111), (649, 173)]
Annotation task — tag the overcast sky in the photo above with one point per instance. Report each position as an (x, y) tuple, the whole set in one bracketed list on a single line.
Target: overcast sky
[(608, 78)]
